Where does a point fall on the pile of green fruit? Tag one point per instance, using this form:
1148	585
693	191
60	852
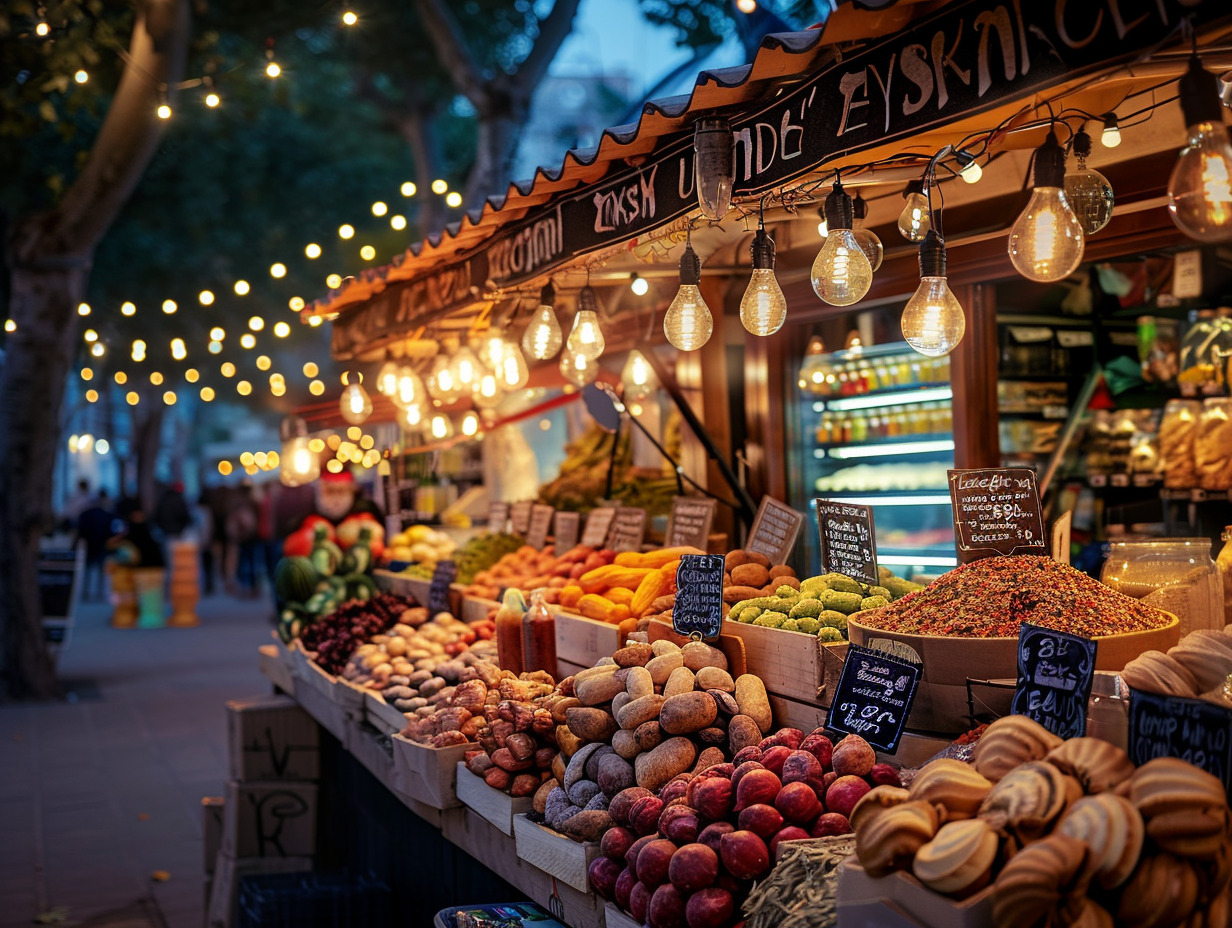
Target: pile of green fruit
310	587
480	553
822	604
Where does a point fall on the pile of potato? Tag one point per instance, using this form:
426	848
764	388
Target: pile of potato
517	734
639	719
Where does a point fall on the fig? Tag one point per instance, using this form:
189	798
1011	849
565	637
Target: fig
789	738
803	767
675	788
713	798
739	773
884	775
644	816
636	848
639	902
624	885
680	823
752	752
623	801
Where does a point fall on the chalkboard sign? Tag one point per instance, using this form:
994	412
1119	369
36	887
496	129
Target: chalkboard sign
996	512
874	696
567	526
699	596
628	529
519	515
598	523
1194	730
540	522
438	591
774	531
848	542
498	517
1055	673
689	522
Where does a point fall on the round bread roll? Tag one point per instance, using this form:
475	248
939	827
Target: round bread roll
1027	800
1044	883
1163	891
957	787
1097	764
890	840
959	860
1010	741
1196	833
1156	672
1113	831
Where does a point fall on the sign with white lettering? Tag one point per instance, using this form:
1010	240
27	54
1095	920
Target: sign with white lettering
774	531
1195	730
540	523
498	517
568	524
967	58
848	540
1055	673
996	512
689	522
699	596
873	697
519	516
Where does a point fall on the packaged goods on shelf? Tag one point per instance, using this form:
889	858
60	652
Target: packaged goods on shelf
1213	445
1177	433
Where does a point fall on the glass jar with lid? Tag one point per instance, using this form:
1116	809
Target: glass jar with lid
1176	575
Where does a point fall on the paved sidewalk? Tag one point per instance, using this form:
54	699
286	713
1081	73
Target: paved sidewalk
98	794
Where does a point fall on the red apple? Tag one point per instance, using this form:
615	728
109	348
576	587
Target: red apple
757	786
844	793
790	833
624	885
709	908
666	909
820	747
831	823
712	834
616	842
653	861
603	874
774	757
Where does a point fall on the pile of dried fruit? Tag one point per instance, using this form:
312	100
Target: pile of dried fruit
990	598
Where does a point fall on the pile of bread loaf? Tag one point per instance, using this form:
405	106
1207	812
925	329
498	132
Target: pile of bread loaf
1068	832
1198	665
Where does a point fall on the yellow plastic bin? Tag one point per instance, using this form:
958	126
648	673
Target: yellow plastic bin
123	595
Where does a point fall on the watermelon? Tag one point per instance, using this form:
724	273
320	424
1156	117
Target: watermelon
295	579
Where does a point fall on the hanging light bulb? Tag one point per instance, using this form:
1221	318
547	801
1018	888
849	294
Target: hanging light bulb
688	323
968	168
1046	241
300	465
513	373
637	378
1200	186
915	220
412	417
868	241
841	272
542	338
408	388
763	308
442	383
465	368
492	349
933	321
487	392
355	403
586	337
1088	191
823	227
440	427
387	379
714	165
578	369
469	425
1111	136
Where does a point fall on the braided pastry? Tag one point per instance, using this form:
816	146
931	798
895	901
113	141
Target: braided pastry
1097	764
1044	883
1010	741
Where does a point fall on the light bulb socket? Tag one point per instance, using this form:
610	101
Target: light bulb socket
1110	121
588	300
547	296
1050	163
859	207
963	158
839	209
1200	95
1082	144
913	186
690	267
932	256
762	250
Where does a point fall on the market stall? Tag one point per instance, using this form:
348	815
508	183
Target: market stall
767	705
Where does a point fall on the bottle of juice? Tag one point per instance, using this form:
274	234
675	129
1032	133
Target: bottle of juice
539	636
509	631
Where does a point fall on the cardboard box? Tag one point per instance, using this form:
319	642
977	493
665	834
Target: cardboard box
553	853
428	775
224	892
212	824
873	901
493	805
271	738
270	819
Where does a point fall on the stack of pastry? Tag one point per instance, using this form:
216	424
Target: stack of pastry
1198	665
1069	833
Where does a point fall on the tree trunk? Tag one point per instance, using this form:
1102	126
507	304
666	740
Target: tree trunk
496	144
147	434
49	258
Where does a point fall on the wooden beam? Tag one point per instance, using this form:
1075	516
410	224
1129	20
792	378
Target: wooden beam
973	376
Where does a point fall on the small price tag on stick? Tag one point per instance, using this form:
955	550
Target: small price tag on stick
848	540
699	596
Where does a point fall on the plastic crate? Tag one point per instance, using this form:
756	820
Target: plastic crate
313	900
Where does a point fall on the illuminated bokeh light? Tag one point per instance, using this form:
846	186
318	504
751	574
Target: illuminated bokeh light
310	369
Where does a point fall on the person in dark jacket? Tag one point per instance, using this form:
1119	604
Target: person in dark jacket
95	527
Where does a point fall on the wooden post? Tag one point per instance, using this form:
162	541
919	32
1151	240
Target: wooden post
973	376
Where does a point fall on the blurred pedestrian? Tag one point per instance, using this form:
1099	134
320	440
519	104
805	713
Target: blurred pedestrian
171	514
241	534
75	505
203	525
95	527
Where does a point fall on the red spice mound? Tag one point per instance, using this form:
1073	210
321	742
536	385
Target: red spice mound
990	598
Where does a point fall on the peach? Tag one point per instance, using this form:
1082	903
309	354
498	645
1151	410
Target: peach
624	885
653	861
831	823
709	908
761	819
757	786
773	758
616	842
803	767
713	798
798	803
666	909
844	793
884	775
680	823
712	834
744	854
693	867
639	902
820	746
853	756
790	833
603	874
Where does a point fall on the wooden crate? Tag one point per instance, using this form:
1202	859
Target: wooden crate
865	900
350	696
495	806
583	641
472	608
428	775
381	715
788	662
317	703
616	918
391	582
373	750
554	853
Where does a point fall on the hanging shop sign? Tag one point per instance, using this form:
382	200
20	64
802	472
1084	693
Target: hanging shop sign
968	58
